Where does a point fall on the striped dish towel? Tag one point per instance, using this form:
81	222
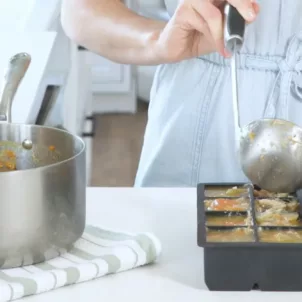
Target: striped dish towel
97	253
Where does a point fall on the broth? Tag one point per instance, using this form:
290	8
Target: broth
234	235
280	236
269	218
228	220
223	204
217	191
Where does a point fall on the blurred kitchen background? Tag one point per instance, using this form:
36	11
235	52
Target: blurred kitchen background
69	87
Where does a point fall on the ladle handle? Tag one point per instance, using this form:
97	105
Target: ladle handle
14	74
234	28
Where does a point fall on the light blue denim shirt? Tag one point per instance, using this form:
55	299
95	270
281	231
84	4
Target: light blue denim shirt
190	132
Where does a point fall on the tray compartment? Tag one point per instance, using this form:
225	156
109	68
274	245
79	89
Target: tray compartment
258	193
288	205
223	204
230	234
277	212
280	235
226	190
231	219
268	218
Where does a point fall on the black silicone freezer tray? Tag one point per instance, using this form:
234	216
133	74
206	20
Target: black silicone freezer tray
253	264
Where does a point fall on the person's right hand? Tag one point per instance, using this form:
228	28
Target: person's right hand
196	28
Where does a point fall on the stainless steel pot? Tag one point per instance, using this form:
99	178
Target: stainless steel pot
42	183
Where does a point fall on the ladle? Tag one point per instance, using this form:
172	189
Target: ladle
269	150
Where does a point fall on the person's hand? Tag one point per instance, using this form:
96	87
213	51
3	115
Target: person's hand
196	28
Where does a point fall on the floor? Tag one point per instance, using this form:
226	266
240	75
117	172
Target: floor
117	147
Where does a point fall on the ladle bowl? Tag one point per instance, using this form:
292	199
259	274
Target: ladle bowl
270	153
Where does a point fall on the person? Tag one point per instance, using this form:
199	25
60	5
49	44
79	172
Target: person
190	134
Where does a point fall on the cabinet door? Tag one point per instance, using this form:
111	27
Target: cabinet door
108	76
105	72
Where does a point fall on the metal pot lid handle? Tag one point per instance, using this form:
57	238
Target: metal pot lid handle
14	74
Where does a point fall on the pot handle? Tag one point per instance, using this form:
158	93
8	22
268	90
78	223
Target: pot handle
14	74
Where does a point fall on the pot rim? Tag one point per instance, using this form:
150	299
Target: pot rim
75	137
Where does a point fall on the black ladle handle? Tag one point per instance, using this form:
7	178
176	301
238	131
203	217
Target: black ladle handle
234	28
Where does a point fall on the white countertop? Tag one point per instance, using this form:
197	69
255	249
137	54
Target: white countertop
178	276
39	45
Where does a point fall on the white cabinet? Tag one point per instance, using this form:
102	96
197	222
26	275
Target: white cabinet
154	9
113	85
28	99
109	77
